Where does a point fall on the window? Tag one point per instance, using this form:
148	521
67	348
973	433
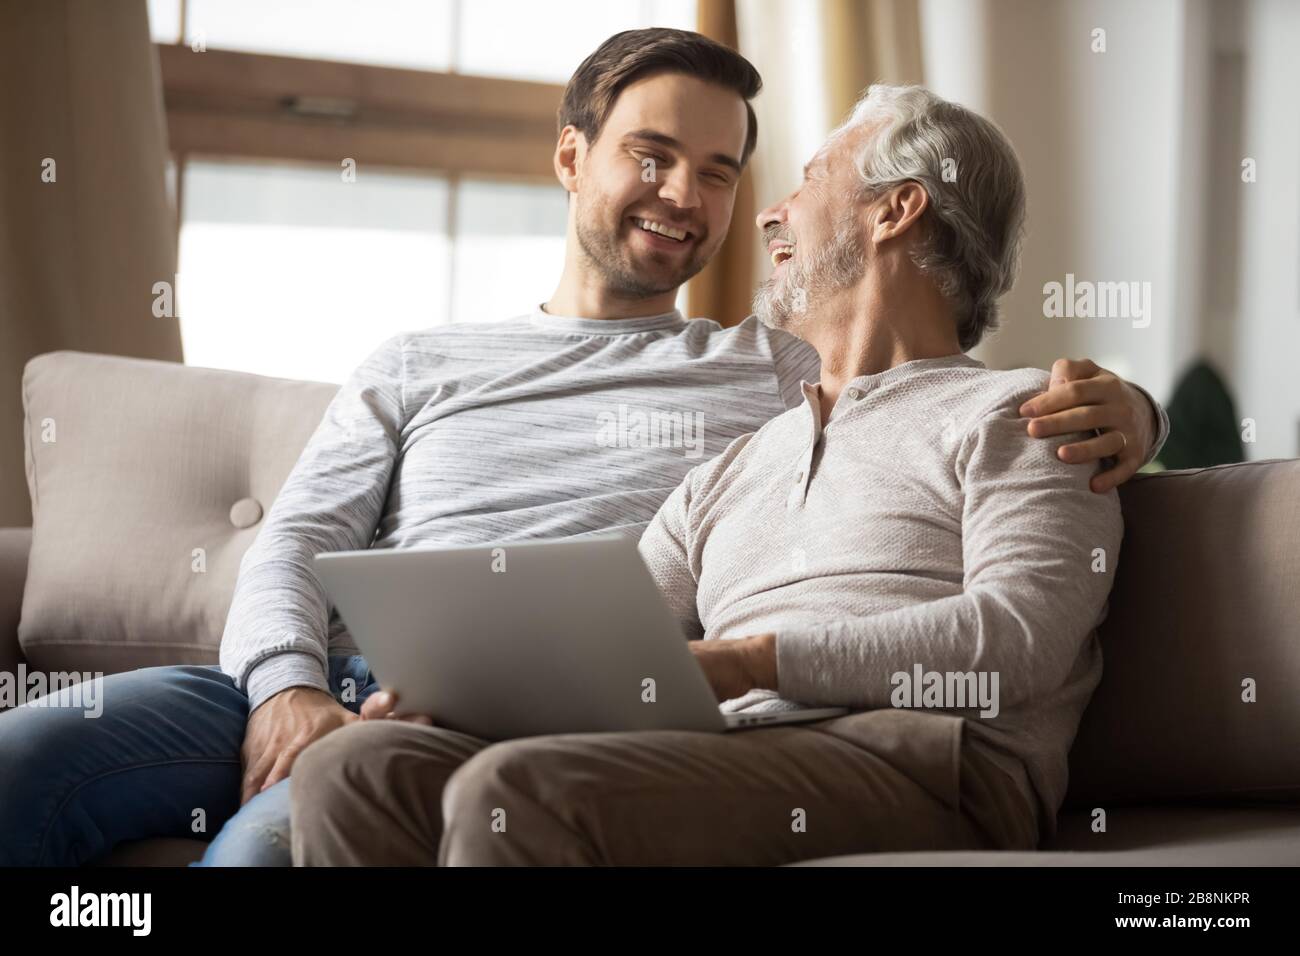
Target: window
291	271
288	268
508	248
545	41
165	21
416	34
543	44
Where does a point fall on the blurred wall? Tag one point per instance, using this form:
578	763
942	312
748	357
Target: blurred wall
1262	319
1097	134
1133	163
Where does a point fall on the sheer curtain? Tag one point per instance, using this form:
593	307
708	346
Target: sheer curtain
815	56
723	289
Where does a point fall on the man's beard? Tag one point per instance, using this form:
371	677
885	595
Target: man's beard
785	302
607	251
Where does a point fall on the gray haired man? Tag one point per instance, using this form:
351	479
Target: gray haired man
894	539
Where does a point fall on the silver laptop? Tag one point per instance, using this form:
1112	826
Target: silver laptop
533	638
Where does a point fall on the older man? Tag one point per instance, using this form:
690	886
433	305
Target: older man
897	543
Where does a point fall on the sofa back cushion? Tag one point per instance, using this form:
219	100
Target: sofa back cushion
148	482
1206	606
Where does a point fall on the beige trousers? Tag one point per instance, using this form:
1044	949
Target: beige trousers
392	793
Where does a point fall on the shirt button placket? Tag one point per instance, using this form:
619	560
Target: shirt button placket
799	489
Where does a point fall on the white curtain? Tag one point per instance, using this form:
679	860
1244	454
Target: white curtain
816	57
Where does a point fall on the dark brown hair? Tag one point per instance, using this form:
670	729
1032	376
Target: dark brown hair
636	54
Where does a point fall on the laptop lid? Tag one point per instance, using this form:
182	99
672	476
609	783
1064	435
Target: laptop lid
515	640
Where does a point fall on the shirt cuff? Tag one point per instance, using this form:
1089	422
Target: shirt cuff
800	662
1162	432
282	671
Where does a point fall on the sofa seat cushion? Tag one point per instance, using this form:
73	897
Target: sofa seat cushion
1136	836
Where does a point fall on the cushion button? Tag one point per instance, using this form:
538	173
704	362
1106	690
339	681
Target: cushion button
245	513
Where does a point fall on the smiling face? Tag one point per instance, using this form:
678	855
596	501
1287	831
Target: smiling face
652	196
814	235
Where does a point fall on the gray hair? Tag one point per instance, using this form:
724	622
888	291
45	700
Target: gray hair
975	219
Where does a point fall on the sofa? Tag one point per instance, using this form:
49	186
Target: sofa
149	480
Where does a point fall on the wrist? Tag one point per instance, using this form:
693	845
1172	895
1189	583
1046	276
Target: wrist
760	661
1151	416
302	694
298	697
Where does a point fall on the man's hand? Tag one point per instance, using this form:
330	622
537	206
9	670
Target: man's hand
1083	397
381	704
280	729
735	667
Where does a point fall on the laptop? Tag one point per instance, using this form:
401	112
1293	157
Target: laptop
546	637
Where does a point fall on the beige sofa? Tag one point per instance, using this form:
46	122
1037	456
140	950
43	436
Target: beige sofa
149	480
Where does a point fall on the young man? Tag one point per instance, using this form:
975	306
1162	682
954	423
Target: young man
899	522
470	434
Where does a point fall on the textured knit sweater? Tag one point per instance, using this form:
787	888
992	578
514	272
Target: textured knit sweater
537	427
920	530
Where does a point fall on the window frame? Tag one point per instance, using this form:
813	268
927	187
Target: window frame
260	106
233	105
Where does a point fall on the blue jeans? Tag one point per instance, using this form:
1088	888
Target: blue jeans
161	760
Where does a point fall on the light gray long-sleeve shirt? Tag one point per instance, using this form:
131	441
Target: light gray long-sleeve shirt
541	426
922	527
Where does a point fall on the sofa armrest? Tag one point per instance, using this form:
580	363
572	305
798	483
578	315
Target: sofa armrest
15	543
